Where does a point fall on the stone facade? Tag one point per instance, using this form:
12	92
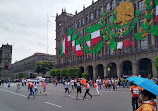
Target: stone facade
28	64
132	60
5	62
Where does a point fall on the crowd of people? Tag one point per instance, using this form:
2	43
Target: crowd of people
76	85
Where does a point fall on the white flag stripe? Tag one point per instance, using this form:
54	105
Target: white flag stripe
63	50
157	10
69	38
88	43
78	47
95	34
73	43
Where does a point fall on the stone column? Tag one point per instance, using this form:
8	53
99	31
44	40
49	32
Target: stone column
154	71
94	73
119	72
105	70
135	68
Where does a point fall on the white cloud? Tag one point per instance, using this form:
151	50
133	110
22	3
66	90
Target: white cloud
23	24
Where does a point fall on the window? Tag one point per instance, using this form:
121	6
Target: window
120	1
59	42
149	39
79	22
108	7
113	4
143	44
141	5
91	16
141	22
96	14
111	51
87	18
6	54
83	22
101	11
75	25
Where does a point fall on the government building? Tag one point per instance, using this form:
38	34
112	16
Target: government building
28	65
125	45
5	62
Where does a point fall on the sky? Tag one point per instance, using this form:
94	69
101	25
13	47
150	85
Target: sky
23	24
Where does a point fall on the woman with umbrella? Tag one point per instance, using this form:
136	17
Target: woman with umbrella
148	94
148	104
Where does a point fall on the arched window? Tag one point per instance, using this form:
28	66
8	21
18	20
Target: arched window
113	4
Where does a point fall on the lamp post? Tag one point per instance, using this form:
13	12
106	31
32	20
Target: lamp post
48	21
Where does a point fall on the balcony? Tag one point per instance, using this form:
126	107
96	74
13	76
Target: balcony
116	53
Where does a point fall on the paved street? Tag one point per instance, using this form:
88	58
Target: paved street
10	100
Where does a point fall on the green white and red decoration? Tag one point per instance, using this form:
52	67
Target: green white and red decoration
73	41
88	40
79	51
95	34
63	48
69	37
123	21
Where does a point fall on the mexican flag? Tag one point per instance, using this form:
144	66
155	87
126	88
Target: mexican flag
95	34
69	37
63	48
88	40
79	52
73	41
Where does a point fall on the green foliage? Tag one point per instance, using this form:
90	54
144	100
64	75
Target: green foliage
22	75
74	72
57	72
156	63
154	30
52	73
85	75
43	67
63	72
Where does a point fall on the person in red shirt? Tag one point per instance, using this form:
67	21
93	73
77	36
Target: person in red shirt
87	90
31	91
135	90
56	82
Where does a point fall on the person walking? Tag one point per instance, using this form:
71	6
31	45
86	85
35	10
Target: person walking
148	104
79	90
96	87
72	85
135	90
87	90
31	91
36	88
17	87
98	81
67	87
56	82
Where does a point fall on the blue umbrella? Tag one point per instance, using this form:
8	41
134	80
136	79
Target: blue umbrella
145	83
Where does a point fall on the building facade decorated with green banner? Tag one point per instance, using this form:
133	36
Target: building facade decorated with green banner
110	38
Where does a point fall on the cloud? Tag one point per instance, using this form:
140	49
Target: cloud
23	24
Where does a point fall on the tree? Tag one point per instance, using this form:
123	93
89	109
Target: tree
43	67
63	72
57	72
74	72
21	75
85	75
52	73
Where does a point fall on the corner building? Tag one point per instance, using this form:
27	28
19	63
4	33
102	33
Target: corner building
136	60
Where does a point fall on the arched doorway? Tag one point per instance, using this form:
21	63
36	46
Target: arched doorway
82	70
127	67
145	67
99	71
90	71
111	70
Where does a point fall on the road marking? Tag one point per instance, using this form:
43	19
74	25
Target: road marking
13	93
53	104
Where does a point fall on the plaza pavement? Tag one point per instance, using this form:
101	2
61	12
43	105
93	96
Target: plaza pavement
56	100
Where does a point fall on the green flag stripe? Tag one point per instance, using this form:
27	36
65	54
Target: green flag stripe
74	36
77	41
70	32
88	37
93	28
61	52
